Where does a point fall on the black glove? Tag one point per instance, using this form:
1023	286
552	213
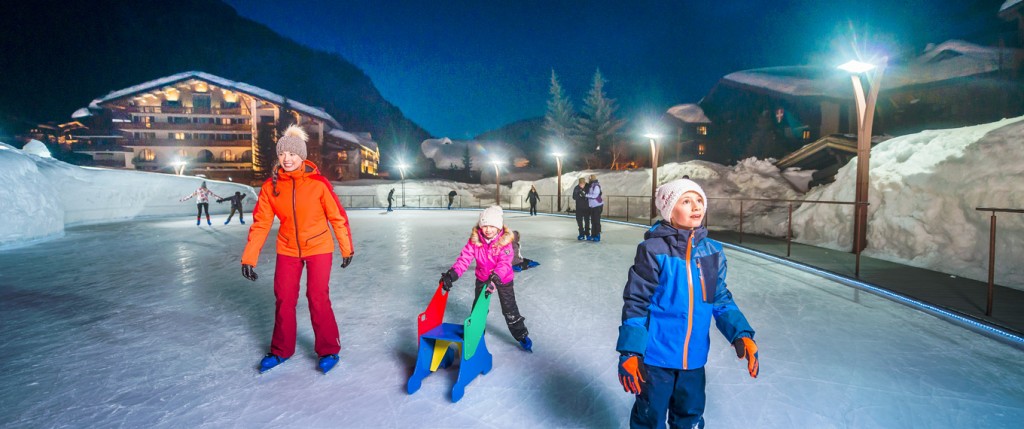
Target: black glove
495	279
249	272
449	277
347	260
220	200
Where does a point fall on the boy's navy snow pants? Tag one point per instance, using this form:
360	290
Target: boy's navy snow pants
286	289
675	393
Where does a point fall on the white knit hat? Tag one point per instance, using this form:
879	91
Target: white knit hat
492	216
669	193
294	141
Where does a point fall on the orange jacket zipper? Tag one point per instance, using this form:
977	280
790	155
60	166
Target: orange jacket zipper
689	309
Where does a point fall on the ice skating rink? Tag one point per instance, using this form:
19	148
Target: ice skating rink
150	324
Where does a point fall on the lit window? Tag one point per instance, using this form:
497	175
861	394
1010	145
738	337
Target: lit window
147	155
700	149
807	134
702	130
228	156
178	136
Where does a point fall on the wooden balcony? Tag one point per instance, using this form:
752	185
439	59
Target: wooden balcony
189	127
186	143
237	111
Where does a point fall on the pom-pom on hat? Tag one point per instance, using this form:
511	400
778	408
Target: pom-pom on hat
294	141
492	216
668	194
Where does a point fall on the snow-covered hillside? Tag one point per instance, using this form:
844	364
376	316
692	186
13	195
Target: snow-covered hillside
42	195
923	193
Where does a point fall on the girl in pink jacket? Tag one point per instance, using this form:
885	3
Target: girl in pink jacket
490	244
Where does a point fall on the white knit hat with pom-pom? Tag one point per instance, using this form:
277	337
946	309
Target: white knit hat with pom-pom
492	216
669	193
294	141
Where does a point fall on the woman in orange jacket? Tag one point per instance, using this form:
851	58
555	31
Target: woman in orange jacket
308	209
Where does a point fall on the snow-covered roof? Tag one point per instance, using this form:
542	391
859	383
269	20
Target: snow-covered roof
948	60
1008	4
223	83
81	113
689	113
353	138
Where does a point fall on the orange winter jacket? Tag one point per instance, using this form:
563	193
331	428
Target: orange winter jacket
308	209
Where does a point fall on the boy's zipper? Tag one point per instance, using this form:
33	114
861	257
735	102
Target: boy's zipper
689	309
700	275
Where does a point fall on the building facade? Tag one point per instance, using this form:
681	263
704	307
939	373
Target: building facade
195	123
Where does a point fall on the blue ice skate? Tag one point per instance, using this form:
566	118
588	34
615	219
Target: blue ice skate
270	361
327	362
527	344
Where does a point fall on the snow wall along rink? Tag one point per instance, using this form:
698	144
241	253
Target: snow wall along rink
150	324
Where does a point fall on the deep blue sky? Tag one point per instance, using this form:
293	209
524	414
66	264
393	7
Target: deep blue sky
459	68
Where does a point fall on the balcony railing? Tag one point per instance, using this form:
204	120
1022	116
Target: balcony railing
186	143
185	110
170	126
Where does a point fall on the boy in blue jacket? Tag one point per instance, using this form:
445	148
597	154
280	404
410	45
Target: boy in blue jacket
676	286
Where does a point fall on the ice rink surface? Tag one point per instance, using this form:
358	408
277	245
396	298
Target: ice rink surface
150	324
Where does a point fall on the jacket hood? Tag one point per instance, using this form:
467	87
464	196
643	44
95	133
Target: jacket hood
663	229
503	238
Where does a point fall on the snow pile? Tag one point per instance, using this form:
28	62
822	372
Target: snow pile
43	195
446	153
923	193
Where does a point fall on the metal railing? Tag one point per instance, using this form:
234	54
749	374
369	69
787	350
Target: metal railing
857	247
992	252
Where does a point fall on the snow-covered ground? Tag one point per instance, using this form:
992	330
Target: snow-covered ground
150	324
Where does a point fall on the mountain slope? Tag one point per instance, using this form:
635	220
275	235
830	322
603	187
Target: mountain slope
58	56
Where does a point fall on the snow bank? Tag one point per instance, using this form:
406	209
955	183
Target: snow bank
44	195
924	189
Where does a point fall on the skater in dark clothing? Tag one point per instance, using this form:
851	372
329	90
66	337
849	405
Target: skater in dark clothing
579	196
595	201
451	198
391	198
202	202
308	212
519	263
490	245
675	288
533	197
236	205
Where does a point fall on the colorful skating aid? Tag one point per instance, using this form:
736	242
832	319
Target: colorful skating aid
440	342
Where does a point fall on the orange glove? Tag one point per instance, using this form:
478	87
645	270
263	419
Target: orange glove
746	348
632	372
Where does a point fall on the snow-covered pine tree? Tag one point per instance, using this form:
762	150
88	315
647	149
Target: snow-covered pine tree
560	119
597	126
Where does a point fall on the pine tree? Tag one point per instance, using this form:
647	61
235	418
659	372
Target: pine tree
467	164
598	125
560	119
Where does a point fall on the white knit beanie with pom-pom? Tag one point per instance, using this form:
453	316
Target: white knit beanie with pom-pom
294	141
492	216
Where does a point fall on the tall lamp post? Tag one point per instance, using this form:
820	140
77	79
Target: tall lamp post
654	168
558	162
865	117
401	169
497	181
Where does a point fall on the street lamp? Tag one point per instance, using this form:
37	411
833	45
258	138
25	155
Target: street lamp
865	117
654	168
558	161
179	167
401	169
497	181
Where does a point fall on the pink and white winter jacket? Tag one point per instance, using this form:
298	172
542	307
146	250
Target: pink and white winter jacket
202	196
493	255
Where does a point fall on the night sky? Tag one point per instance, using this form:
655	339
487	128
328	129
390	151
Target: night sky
459	68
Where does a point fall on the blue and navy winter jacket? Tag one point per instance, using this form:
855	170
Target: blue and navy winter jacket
675	287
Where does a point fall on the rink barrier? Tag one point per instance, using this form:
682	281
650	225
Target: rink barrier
992	252
950	316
